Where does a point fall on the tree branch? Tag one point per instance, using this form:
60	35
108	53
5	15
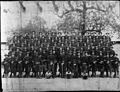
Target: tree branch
92	7
39	7
68	11
70	5
55	6
22	6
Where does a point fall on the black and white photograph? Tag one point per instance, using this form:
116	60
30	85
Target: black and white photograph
60	45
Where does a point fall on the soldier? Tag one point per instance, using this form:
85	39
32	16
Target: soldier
6	65
88	60
69	66
101	66
33	35
62	69
79	63
26	65
69	74
75	69
37	63
13	65
115	64
84	65
19	64
107	65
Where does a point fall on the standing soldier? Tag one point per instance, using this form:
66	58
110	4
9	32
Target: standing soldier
62	69
93	64
115	64
13	65
101	64
6	65
84	65
19	65
26	65
37	63
107	65
79	63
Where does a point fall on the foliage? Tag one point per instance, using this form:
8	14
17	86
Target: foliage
36	24
87	15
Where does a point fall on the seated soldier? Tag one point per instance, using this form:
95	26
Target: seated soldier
68	74
48	74
75	68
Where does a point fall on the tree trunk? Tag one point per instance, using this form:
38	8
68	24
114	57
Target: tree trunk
84	17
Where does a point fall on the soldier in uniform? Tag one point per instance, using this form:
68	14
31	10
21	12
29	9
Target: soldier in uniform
69	66
75	69
37	63
26	65
6	65
107	65
62	69
115	64
101	64
19	65
13	65
93	64
79	63
84	64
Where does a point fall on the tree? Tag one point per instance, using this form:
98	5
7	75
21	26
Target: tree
91	15
36	24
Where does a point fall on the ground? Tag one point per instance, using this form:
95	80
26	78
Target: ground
59	84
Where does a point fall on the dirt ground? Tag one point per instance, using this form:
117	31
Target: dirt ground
58	84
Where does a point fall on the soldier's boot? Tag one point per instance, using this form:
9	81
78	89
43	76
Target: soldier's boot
62	76
43	74
101	73
53	76
11	75
93	73
107	73
114	74
110	73
37	74
117	72
19	75
26	75
80	74
88	73
77	75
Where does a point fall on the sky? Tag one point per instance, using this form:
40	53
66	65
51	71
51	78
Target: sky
11	19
